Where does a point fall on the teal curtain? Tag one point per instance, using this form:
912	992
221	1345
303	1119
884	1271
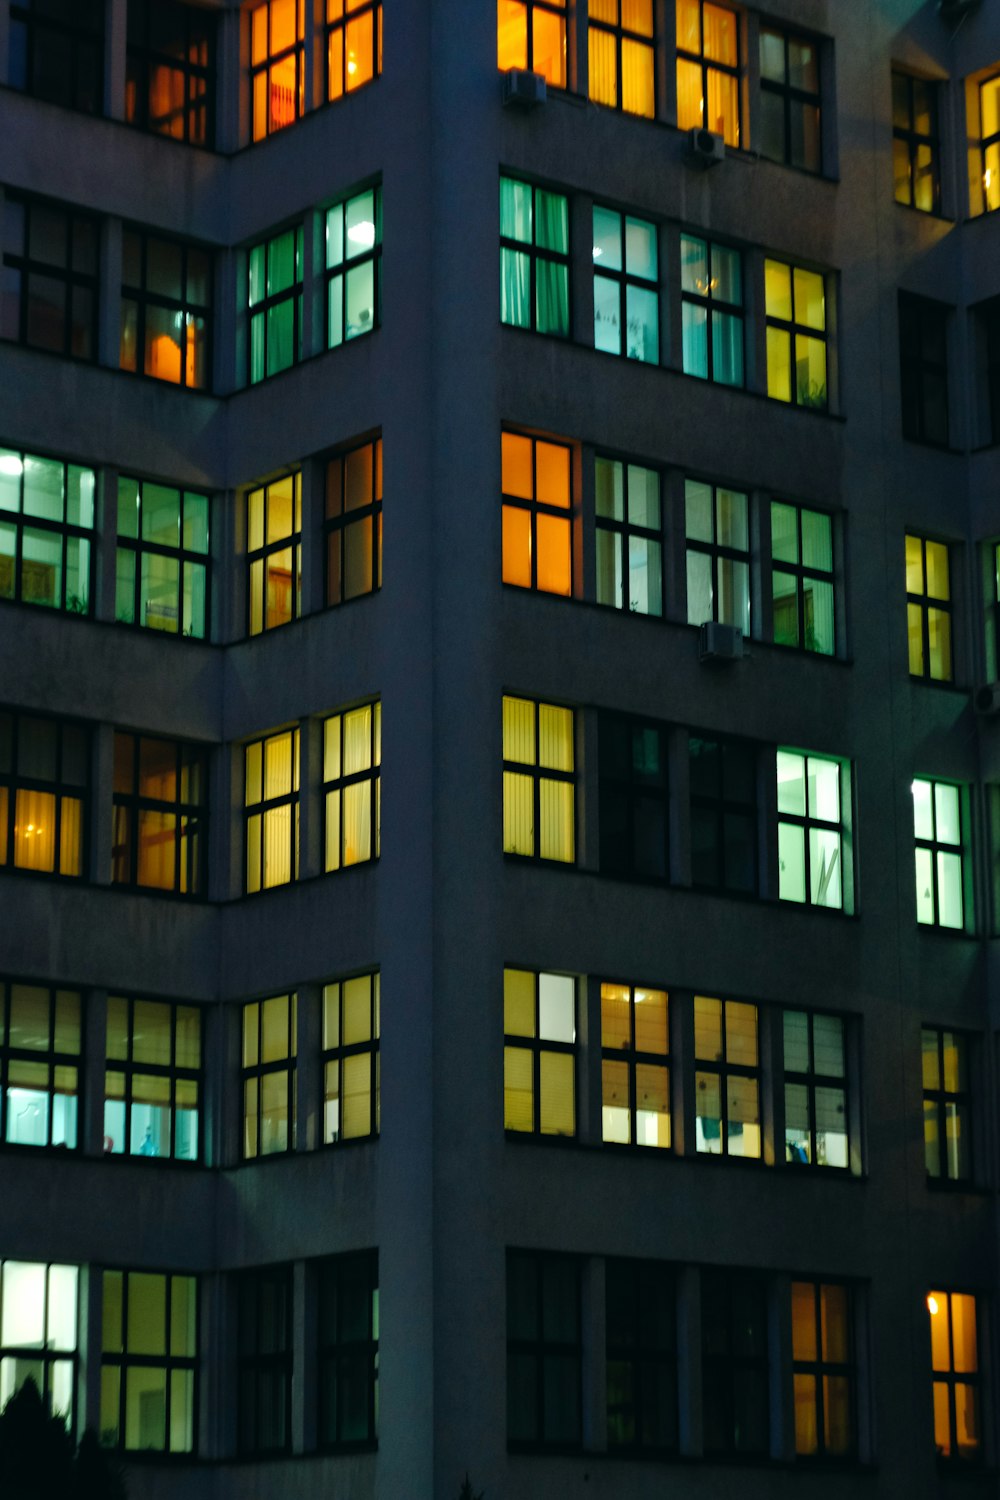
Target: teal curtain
727	348
515	287
552	297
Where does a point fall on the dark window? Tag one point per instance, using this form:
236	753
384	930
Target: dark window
353	526
149	1362
160	815
802	578
44	794
712	311
162	560
947	1105
351	1028
166	317
727	1078
274	553
277	65
353	45
275	283
988	315
152	1083
57	51
923	359
40	1033
265	1360
170	70
790	99
824	1369
635	1073
633	798
916	147
270	1046
734	1362
352	785
544	1354
534	258
48	296
641	1330
815	1062
46	531
39	1333
723	814
348	1350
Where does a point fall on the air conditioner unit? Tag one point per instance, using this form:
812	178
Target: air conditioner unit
523	89
705	148
986	700
718	642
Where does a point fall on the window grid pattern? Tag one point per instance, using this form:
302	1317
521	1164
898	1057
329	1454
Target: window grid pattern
353	524
275	304
539	780
928	608
810	830
539	1053
790	99
633	798
803	612
947	1105
44	794
635	1071
954	1318
353	45
153	1080
351	1071
264	1359
40	1059
272	810
621	43
628	537
815	1089
536	479
641	1344
170	70
149	1364
532	34
57	52
734	1362
937	835
49	288
923	370
268	1076
162	565
708	69
274	554
352	785
354	267
166	312
916	145
712	311
160	815
348	1350
717	529
723	781
534	258
277	81
824	1374
795	317
626	298
989	111
39	1337
727	1078
46	531
544	1350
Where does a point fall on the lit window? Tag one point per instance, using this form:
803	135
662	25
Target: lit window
537	501
717	527
534	258
539	781
277	32
166	312
790	99
712	311
629	537
274	553
49	286
633	798
928	608
937	833
815	1066
544	1350
149	1361
351	1029
620	41
626	300
727	1077
38	1334
811	827
734	1362
152	1083
795	305
57	52
916	147
347	1350
353	525
44	794
947	1105
268	1076
162	561
264	1360
923	369
539	1054
170	70
635	1043
354	267
272	810
957	1385
275	301
802	591
641	1347
353	45
46	531
352	785
160	813
39	1068
708	68
532	34
824	1369
723	780
989	109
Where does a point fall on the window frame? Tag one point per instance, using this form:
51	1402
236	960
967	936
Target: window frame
339	274
927	604
185	308
635	1058
709	65
812	1080
189	560
51	1057
808	821
722	1369
76	36
46	1354
143	61
256	1365
259	557
622	532
721	554
942	849
724	1069
534	252
260	311
653	1363
634	796
951	1378
337	787
73	282
792	330
793	94
716	309
341	25
922	319
912	139
539	775
942	1101
173	1072
822	1369
621	37
262	67
536	1045
13	782
343	1350
541	1350
627	282
191	819
987	145
549	513
806	577
556	10
723	807
22	522
260	808
256	1070
339	523
334	1055
124	1360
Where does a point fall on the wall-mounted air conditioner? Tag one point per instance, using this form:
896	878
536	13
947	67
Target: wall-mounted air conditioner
522	89
718	642
705	148
986	700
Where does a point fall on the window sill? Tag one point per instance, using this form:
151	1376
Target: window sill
939	684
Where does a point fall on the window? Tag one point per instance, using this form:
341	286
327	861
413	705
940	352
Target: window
348	1350
815	1063
947	1105
989	111
46	531
57	52
353	45
354	266
38	1333
539	1055
824	1369
537	503
539	781
277	33
727	1077
275	283
734	1362
937	833
717	527
790	99
723	780
534	258
988	319
149	1361
40	1032
632	796
532	34
351	1029
641	1341
272	810
629	537
353	525
170	70
916	145
269	1051
166	315
544	1350
928	608
264	1402
274	553
160	815
712	311
352	785
810	829
626	299
620	41
162	560
635	1043
44	791
923	368
795	307
708	69
152	1083
48	295
802	594
957	1385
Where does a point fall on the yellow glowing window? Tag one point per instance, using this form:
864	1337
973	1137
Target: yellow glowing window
351	1026
352	758
727	1077
532	34
272	810
539	1023
277	33
160	802
795	307
928	609
824	1369
989	106
149	1361
274	554
270	1045
620	42
947	1105
539	783
635	1077
708	68
44	789
955	1363
353	45
537	540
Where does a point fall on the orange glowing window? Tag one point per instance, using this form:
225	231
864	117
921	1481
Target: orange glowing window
353	45
532	34
708	68
620	41
44	792
537	538
277	32
160	803
170	70
166	309
955	1364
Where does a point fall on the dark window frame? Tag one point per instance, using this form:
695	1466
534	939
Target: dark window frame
633	1058
717	308
143	59
936	846
923	361
951	1378
347	1352
12	781
258	1366
812	1080
624	530
535	252
821	1369
538	774
634	797
804	574
259	809
50	1056
271	59
988	143
793	94
336	786
625	280
341	24
533	507
21	264
710	65
543	1351
191	819
123	1360
723	806
621	33
253	1073
808	820
173	1072
536	1045
941	1101
720	553
29	30
338	275
724	1068
913	140
724	1368
68	531
339	520
333	1056
652	1361
259	314
187	559
926	602
185	308
259	556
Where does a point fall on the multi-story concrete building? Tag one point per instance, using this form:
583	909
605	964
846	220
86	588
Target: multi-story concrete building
607	1106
